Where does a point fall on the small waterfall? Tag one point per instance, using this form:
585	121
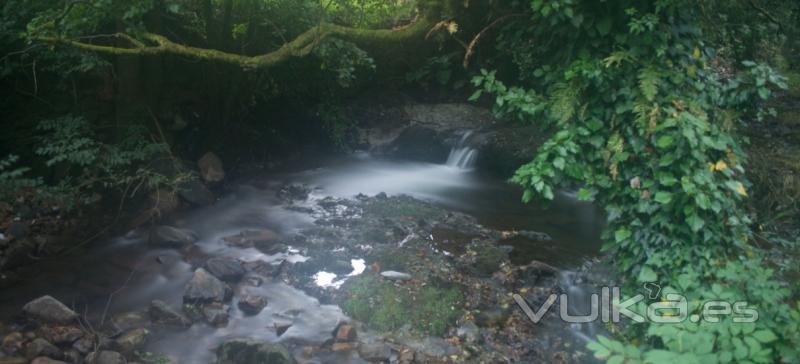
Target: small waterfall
462	156
579	303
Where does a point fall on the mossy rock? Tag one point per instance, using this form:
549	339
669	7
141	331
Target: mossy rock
488	258
400	207
384	306
246	351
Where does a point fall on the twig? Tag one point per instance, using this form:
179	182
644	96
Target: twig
111	296
474	42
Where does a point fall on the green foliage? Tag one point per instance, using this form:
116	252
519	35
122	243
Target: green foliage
646	127
387	307
439	71
88	165
13	179
344	59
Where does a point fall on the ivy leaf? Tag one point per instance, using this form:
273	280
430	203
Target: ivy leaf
621	235
695	223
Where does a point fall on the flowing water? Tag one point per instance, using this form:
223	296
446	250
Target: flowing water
124	274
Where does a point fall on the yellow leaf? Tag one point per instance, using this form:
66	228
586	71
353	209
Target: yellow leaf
711	167
720	166
452	28
740	189
696	53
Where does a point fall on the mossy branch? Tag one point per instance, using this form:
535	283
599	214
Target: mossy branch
301	46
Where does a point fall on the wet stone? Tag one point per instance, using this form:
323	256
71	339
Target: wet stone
205	288
41	347
246	351
162	313
106	357
62	334
345	333
252	305
225	268
375	352
171	237
216	314
12	343
132	340
49	309
251	238
44	360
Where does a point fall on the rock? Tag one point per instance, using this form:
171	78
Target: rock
196	193
105	357
252	305
281	327
163	314
395	276
131	320
17	230
132	340
171	237
246	351
41	347
73	356
340	347
251	238
46	360
225	268
211	168
205	288
84	345
50	310
12	343
13	360
469	332
345	333
294	192
375	352
216	314
61	335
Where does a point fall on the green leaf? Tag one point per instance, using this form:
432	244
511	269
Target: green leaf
621	235
584	194
765	336
695	223
647	275
604	26
665	141
476	95
663	197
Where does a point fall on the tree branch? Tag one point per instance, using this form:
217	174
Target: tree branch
301	46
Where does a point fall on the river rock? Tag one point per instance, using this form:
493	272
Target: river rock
345	333
395	276
12	343
162	313
375	352
205	288
211	168
216	314
41	347
196	193
50	310
61	335
246	351
469	332
105	357
252	238
171	237
84	345
252	305
340	347
132	340
131	320
44	360
225	268
294	192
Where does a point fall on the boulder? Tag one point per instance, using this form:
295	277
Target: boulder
225	268
41	347
196	193
105	357
171	237
252	305
162	313
131	320
211	168
205	288
132	340
246	351
49	310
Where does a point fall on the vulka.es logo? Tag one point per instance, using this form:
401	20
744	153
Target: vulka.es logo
608	306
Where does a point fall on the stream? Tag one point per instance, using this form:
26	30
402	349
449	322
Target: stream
124	274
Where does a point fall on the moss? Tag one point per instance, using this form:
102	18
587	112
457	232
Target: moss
385	307
401	207
488	258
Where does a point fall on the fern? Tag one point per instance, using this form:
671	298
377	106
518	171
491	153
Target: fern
649	79
563	101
